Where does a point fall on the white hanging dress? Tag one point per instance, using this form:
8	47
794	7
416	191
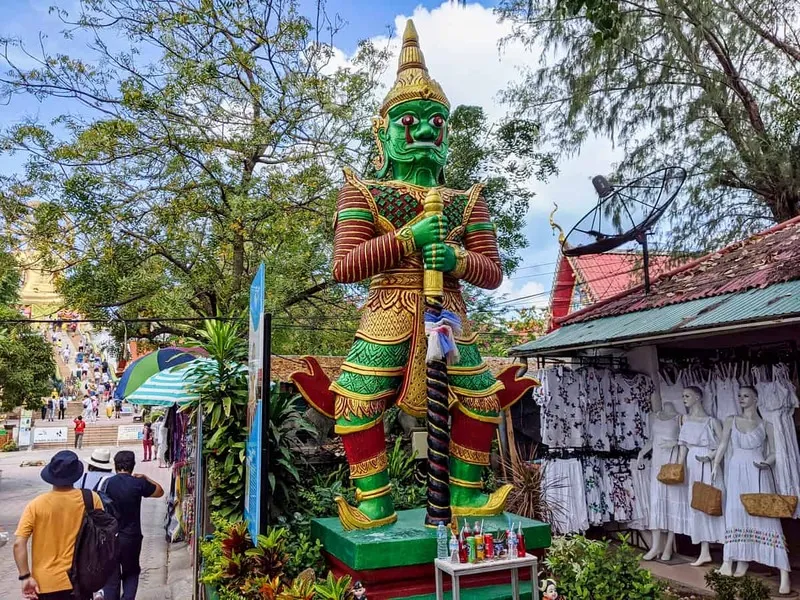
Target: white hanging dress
671	388
777	400
726	388
669	505
748	538
700	440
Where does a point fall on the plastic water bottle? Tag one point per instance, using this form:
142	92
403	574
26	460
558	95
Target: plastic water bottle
512	545
453	548
441	542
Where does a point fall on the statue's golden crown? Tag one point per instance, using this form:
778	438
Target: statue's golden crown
413	81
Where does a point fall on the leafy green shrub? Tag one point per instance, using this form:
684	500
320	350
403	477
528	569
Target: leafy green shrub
9	446
408	496
306	553
222	386
334	589
239	571
402	464
589	569
736	588
285	426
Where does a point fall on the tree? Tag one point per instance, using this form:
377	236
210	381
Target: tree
707	84
180	161
505	158
27	368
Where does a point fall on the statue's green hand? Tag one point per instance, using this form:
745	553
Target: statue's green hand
429	230
439	257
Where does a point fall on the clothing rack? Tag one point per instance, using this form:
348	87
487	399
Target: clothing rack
567	453
617	363
756	354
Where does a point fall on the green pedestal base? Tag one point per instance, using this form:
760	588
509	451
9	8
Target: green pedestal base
492	592
407	542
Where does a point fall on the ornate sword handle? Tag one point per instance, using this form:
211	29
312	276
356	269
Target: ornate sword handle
433	281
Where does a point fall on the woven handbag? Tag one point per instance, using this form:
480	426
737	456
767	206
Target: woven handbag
705	497
671	473
769	505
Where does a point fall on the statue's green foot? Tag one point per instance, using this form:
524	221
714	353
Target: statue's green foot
471	502
375	509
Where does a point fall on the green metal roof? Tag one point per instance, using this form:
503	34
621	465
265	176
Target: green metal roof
751	306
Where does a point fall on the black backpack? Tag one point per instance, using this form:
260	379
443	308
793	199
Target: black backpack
96	546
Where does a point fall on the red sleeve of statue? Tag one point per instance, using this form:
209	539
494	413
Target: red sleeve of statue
483	257
357	253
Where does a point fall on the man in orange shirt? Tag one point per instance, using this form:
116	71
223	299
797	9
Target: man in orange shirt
53	520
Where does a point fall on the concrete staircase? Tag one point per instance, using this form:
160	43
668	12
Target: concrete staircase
102	433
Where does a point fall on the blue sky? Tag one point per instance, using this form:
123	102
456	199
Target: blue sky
460	45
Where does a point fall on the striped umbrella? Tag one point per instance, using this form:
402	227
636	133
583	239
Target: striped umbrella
166	388
148	365
171	386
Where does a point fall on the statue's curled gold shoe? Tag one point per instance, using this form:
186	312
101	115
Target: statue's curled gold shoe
352	518
494	505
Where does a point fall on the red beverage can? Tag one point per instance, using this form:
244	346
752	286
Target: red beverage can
488	542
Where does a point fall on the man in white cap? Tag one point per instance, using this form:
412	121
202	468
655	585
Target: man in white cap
98	469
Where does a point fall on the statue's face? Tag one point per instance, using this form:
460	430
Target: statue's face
417	133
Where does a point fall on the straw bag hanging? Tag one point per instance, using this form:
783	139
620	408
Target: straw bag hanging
705	497
671	473
769	505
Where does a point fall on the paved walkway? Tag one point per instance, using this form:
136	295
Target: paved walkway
166	568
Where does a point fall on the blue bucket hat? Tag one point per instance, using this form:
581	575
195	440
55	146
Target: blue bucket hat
64	470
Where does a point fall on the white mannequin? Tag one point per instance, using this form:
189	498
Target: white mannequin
667	413
692	399
748	422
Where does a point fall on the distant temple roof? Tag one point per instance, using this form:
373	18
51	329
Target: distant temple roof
582	281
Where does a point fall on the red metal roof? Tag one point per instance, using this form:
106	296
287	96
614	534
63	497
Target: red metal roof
769	257
608	274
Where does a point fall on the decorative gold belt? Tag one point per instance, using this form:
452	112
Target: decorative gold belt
408	279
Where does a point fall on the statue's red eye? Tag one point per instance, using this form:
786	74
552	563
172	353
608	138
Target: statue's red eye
408	120
437	121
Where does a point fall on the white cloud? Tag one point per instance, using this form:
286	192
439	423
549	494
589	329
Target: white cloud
535	293
461	48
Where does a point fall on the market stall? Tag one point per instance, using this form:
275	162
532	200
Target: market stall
706	370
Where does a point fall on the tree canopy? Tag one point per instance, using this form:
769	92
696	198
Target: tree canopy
209	140
711	85
27	368
194	140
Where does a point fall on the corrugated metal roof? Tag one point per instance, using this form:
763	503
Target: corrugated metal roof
779	300
765	259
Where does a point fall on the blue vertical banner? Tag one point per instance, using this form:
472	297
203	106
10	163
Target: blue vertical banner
255	411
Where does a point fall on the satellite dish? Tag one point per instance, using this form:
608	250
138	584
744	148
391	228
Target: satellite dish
624	214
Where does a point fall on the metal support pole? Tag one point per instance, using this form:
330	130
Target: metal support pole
199	495
266	492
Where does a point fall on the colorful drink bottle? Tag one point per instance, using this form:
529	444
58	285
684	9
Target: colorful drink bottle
488	543
521	551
